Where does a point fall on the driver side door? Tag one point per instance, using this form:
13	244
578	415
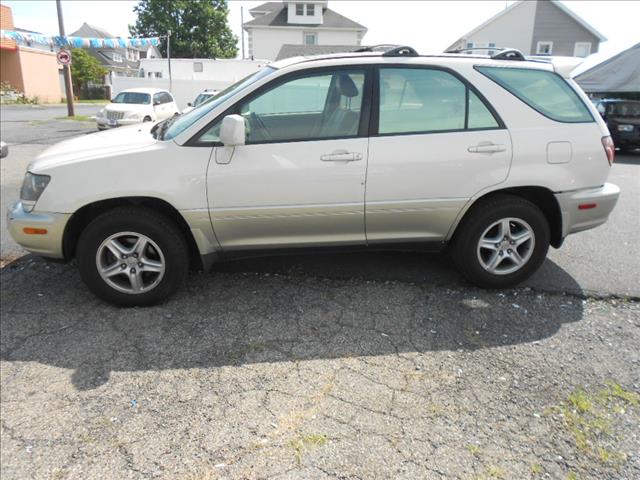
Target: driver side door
300	179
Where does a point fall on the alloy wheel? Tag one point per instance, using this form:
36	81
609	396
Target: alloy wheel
130	262
506	246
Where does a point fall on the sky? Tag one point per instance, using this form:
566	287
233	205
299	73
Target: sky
428	26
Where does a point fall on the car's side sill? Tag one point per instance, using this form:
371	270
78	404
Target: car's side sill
429	246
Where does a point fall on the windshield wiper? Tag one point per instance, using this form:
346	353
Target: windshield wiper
165	126
155	128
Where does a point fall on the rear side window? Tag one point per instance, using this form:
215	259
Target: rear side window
546	92
423	100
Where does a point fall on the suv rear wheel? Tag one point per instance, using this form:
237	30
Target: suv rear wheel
501	242
132	256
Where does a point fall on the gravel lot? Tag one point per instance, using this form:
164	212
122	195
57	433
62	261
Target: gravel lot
336	366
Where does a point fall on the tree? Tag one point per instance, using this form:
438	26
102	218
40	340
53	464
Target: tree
85	68
198	27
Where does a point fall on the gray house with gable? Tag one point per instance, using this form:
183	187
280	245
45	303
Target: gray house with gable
541	27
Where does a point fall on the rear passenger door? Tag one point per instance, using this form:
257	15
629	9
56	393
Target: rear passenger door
435	142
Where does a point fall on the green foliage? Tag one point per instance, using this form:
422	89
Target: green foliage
198	28
591	420
85	68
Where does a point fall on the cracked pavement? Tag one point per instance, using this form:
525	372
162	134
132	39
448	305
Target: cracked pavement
375	365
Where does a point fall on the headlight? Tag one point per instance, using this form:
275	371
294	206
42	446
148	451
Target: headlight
625	128
100	113
32	187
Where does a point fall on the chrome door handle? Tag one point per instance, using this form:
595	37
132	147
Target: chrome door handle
341	156
487	148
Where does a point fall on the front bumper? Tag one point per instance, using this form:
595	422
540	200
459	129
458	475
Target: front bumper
586	208
104	122
47	245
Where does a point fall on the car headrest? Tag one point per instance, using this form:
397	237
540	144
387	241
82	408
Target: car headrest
346	87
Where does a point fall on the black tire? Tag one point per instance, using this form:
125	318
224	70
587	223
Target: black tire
159	229
483	215
146	119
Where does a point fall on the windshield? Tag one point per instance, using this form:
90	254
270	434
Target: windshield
132	97
624	109
184	121
202	98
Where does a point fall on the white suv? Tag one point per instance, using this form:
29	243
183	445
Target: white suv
494	157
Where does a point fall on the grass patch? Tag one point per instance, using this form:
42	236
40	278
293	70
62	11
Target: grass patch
495	472
536	469
591	421
474	450
77	118
308	442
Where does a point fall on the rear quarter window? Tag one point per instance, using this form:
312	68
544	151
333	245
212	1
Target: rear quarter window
546	92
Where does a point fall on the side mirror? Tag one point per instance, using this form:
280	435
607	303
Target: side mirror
156	103
232	131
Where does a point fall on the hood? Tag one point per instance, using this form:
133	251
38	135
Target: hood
95	145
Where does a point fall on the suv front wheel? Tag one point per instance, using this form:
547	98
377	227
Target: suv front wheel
132	256
501	242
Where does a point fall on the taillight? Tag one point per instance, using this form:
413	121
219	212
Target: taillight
609	149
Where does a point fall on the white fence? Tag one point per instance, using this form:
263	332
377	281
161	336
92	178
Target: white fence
190	76
184	91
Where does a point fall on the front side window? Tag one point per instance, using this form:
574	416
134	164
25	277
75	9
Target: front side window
165	98
544	91
184	121
419	100
317	106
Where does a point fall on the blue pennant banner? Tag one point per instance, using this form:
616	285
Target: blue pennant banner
24	38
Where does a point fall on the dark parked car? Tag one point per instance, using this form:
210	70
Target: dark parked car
623	120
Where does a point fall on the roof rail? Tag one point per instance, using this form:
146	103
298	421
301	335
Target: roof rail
390	50
503	53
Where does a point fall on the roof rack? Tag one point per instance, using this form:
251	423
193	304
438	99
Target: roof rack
390	50
401	51
509	54
503	53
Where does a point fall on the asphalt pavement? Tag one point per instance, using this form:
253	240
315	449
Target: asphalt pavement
359	366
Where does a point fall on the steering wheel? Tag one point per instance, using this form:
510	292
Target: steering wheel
257	124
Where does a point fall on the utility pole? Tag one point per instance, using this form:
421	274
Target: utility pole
169	57
241	29
68	87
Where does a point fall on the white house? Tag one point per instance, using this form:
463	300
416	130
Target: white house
303	23
542	27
